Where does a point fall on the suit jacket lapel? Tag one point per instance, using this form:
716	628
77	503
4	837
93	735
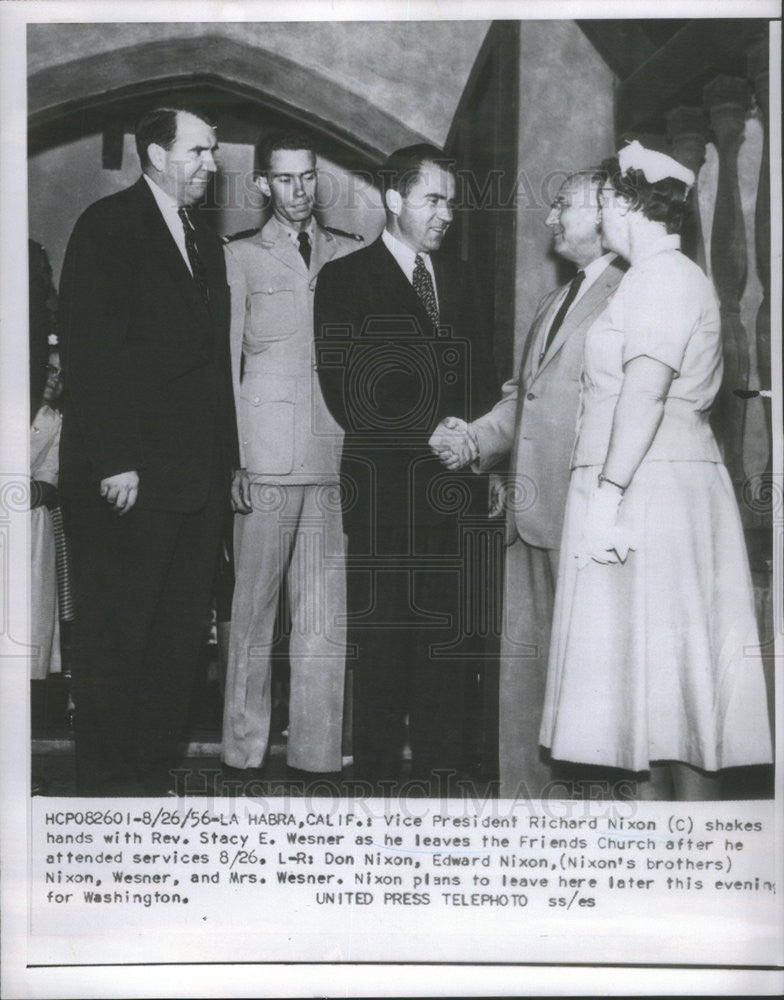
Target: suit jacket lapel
592	302
159	242
444	290
390	275
530	360
211	252
324	249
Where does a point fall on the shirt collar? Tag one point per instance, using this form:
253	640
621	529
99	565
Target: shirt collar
595	268
404	255
293	234
667	241
165	201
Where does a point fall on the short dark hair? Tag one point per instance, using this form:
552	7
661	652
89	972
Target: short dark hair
268	144
159	125
401	169
667	201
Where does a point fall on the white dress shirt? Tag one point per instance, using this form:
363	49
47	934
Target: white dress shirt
169	209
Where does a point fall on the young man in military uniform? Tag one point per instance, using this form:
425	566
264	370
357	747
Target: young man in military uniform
288	529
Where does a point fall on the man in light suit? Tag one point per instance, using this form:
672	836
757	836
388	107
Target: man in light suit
533	427
288	530
148	444
400	346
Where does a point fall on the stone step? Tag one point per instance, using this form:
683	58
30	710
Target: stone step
64	745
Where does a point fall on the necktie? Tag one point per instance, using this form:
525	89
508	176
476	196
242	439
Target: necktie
423	285
197	265
574	287
304	247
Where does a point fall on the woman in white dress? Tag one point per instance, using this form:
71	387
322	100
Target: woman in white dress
44	467
654	661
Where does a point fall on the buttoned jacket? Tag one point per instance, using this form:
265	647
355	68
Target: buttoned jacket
146	360
286	433
534	422
389	378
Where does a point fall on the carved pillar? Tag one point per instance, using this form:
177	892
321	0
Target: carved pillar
687	133
757	57
727	99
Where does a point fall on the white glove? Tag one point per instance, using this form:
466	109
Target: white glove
603	540
497	498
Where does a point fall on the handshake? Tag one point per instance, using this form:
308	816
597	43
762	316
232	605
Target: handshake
454	444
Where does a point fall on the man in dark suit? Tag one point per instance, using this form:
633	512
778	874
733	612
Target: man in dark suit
398	348
533	427
148	444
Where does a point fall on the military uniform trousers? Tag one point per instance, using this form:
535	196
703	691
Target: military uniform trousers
293	534
529	590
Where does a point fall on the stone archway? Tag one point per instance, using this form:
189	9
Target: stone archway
84	94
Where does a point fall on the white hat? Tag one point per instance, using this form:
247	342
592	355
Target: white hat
655	166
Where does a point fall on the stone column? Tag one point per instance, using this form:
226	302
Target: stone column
727	99
757	57
687	132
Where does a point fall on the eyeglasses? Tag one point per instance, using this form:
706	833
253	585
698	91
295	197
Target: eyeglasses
53	371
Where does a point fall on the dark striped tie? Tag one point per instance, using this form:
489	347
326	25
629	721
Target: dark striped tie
423	285
197	265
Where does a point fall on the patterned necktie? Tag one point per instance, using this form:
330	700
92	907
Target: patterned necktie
304	247
560	316
423	285
197	265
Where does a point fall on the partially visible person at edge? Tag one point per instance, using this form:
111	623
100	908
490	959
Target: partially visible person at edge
47	538
652	665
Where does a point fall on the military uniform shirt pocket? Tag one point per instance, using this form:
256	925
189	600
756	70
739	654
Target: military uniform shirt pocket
273	310
266	414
